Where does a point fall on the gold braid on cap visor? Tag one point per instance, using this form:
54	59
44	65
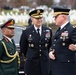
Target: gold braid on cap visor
37	15
12	26
56	13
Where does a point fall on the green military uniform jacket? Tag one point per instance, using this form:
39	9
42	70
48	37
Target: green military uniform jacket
9	66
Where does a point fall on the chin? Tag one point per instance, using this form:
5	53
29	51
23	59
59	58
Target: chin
11	36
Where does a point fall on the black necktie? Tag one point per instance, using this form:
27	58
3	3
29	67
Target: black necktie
13	42
38	32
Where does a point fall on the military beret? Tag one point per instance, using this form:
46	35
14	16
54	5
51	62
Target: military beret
36	13
9	24
58	11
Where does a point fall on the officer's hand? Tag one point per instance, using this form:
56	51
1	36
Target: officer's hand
52	55
72	47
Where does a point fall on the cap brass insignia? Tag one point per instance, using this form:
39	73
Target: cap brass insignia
12	22
38	11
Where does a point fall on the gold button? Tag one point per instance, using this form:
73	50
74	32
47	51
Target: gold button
53	44
40	41
54	39
10	53
63	44
68	60
40	50
39	54
39	45
29	45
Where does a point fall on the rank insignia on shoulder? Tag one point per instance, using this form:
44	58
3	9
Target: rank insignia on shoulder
24	29
74	26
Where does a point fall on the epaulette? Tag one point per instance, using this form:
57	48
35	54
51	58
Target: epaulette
50	28
74	26
24	28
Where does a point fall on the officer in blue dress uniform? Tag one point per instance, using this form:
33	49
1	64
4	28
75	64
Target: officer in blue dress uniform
34	45
63	59
8	54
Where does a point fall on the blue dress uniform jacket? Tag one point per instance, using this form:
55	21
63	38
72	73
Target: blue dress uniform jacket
65	63
36	50
8	68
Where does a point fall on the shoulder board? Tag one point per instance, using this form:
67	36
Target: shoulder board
74	26
50	28
24	28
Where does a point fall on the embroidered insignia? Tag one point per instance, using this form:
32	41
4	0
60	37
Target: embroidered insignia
30	37
38	12
47	35
6	39
12	22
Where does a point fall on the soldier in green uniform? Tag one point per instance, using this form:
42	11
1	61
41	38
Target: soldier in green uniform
8	54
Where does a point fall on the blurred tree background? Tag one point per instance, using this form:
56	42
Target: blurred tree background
34	3
19	14
30	3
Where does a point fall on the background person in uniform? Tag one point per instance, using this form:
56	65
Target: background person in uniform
35	45
29	22
8	54
63	59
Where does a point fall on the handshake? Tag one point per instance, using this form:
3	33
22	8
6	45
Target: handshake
72	47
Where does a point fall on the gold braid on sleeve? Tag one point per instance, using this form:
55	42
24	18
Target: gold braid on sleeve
10	56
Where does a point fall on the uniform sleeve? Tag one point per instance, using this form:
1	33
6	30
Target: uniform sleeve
73	36
23	44
1	50
50	41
